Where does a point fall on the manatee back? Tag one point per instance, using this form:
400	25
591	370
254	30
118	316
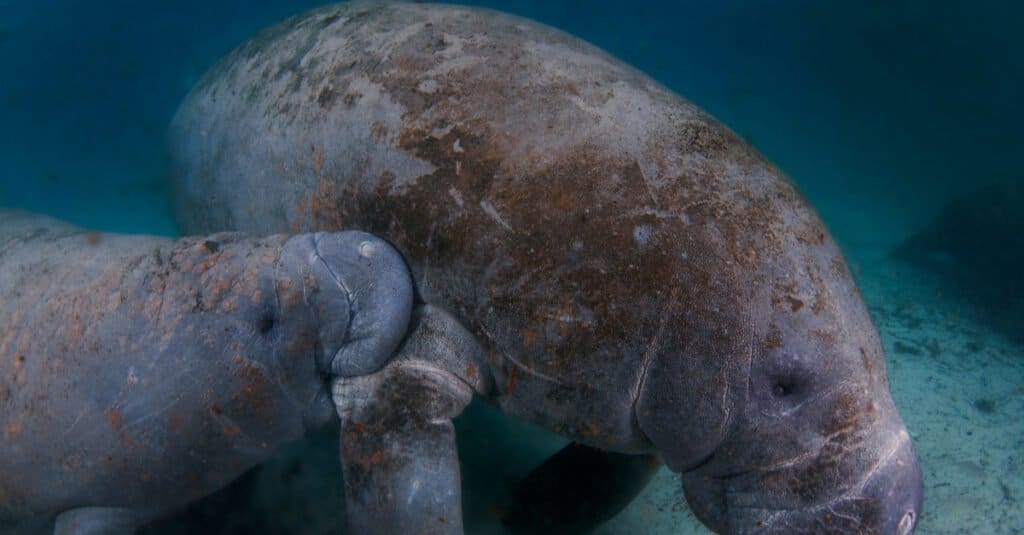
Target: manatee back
577	215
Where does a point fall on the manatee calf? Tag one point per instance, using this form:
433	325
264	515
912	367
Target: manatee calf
140	373
642	281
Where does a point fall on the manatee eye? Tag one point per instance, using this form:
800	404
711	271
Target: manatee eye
784	387
265	323
783	382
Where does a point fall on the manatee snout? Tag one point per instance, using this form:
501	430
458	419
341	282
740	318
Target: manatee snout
361	294
896	485
879	490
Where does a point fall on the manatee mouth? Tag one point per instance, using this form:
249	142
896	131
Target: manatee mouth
885	499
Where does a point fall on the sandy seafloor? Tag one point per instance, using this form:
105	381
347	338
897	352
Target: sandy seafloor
880	111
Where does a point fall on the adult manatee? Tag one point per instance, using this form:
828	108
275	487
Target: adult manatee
643	281
139	373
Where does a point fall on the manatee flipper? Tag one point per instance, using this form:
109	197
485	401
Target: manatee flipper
99	521
398	452
577	489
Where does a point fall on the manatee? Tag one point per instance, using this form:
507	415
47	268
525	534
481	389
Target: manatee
139	373
639	278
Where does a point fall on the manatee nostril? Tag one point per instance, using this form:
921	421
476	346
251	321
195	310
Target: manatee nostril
907	522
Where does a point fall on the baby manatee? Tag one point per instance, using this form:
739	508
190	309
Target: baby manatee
140	373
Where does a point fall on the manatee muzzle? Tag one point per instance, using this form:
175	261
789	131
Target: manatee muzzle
360	292
885	499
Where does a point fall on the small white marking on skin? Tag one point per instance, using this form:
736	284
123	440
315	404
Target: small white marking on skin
439	133
457	146
427	86
415	490
642	234
637	388
456	195
648	185
493	212
663	214
74	423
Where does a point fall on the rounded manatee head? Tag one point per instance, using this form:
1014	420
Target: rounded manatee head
305	308
811	451
361	295
342	302
800	433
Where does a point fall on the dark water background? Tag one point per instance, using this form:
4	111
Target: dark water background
882	111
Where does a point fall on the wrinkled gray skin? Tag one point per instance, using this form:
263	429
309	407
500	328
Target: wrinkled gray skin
642	280
138	373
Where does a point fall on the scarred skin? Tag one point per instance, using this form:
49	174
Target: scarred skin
140	373
642	280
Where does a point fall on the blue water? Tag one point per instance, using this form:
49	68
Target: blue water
881	111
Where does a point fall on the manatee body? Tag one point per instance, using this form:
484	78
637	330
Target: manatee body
139	373
643	281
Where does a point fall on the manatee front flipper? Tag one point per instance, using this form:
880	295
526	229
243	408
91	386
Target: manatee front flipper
578	489
398	452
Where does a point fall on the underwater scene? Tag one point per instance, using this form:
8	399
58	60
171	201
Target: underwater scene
495	267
